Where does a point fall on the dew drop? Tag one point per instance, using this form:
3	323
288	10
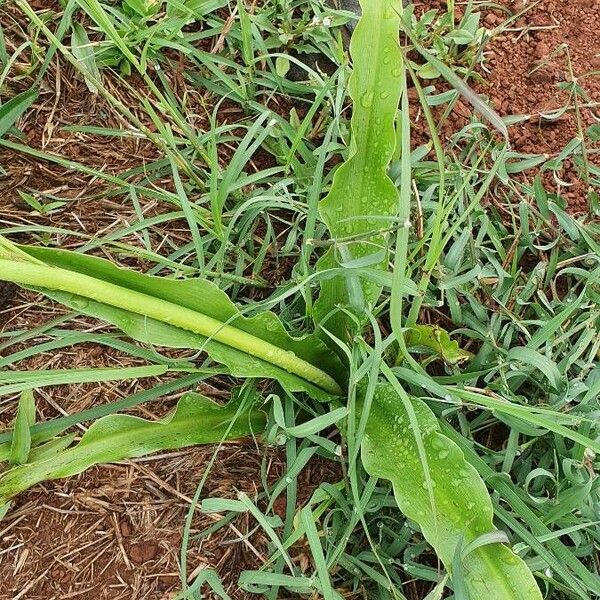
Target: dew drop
367	99
79	302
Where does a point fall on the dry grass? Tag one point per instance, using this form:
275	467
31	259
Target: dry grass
115	532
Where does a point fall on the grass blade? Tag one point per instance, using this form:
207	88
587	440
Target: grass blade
11	111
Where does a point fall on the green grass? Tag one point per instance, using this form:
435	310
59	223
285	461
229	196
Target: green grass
514	281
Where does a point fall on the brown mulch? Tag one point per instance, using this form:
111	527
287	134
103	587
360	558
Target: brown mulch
115	531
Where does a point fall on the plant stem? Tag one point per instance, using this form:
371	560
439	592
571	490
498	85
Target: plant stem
54	278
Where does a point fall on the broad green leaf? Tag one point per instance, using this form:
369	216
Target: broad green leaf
362	190
21	442
196	420
437	341
190	313
11	110
462	510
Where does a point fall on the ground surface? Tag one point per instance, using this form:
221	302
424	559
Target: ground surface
115	531
555	42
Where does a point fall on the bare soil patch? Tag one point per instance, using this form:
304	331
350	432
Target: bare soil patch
551	45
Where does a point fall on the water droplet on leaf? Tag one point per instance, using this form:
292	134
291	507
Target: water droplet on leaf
367	99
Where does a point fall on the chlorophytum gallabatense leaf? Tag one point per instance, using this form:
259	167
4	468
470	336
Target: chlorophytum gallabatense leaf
362	196
196	420
191	313
462	509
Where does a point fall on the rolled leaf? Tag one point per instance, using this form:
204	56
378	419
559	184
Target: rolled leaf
462	509
190	313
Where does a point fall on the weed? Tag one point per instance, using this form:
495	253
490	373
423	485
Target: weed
406	241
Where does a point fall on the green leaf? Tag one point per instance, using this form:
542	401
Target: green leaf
190	313
11	111
461	37
84	52
21	442
462	510
593	132
427	71
196	420
362	191
312	535
437	340
528	356
282	66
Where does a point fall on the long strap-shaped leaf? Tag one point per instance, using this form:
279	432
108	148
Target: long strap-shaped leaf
189	314
196	420
462	509
362	190
433	483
